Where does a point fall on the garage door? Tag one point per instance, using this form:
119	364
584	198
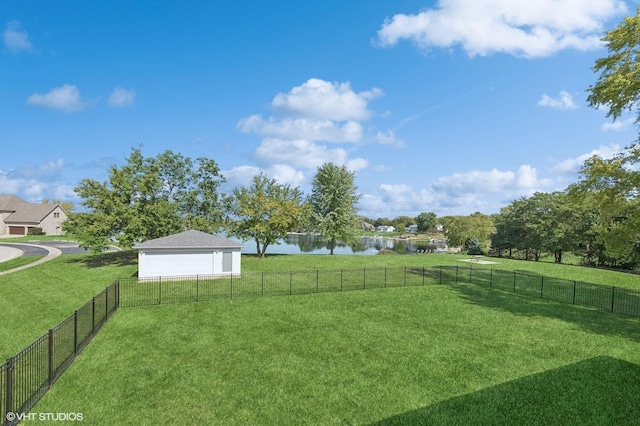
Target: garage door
177	264
16	230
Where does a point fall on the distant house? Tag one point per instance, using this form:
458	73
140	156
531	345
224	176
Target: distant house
367	226
188	253
385	228
412	229
19	217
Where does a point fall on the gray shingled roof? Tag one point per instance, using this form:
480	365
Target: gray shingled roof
190	239
32	213
11	203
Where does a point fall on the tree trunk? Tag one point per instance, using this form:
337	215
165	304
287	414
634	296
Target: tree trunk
264	249
332	245
558	256
258	251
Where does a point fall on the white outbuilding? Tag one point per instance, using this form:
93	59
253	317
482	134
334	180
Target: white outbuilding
188	253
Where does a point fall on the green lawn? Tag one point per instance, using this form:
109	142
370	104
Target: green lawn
18	261
38	298
438	355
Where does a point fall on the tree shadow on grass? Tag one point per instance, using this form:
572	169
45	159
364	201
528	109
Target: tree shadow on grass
116	258
596	391
590	320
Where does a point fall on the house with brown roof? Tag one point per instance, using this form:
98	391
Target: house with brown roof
19	217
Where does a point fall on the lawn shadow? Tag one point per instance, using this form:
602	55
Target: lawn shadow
588	319
596	391
115	258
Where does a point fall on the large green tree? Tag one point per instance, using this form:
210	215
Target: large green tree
618	85
266	211
459	230
333	204
425	221
147	198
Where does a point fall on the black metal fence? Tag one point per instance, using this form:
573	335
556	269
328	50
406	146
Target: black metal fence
26	377
259	284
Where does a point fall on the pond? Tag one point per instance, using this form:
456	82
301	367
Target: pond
314	244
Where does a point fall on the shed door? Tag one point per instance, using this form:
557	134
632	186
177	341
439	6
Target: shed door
227	261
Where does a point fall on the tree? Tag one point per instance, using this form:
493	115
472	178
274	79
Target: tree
425	221
461	229
147	198
333	204
266	211
618	86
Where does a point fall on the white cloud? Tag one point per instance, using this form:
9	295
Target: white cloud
302	153
573	165
524	181
34	182
302	128
15	38
459	193
482	27
618	125
323	100
243	175
65	98
564	102
389	138
120	97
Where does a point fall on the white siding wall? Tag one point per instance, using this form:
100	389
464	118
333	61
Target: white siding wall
172	263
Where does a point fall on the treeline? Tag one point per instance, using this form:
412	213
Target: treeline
153	197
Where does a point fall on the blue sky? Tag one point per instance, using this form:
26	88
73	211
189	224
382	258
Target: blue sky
450	106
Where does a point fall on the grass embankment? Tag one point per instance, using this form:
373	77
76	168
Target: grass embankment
18	261
416	355
36	299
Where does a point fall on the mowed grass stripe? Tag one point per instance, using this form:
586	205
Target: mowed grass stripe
384	355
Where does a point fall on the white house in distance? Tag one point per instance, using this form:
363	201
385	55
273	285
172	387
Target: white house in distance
188	253
19	217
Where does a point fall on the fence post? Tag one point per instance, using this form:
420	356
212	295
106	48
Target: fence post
423	275
613	294
262	283
231	287
541	286
364	278
75	332
290	283
93	314
574	292
470	268
117	294
341	279
106	303
159	290
514	281
440	274
50	357
457	270
385	277
317	278
9	382
197	287
491	278
405	277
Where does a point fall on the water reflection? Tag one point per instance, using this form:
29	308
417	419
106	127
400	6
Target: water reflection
314	244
